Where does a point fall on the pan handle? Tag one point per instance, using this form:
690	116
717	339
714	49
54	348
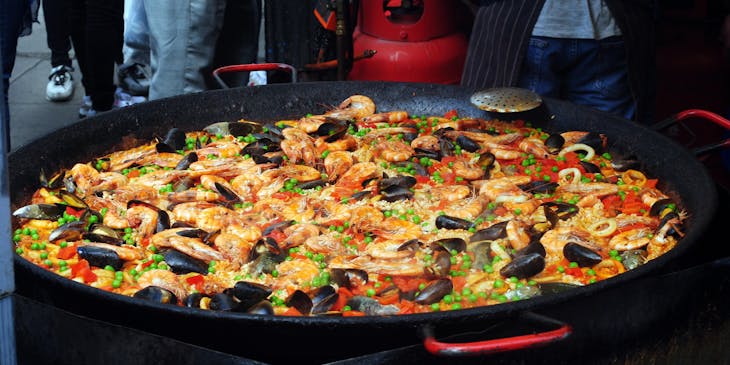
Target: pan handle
453	349
253	67
702	114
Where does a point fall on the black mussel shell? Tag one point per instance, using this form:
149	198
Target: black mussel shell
41	211
73	200
370	306
349	278
312	184
70	231
156	294
183	184
533	247
449	222
441	264
193	300
249	293
278	226
583	256
323	299
446	146
192	233
410	245
623	163
555	288
175	138
660	206
539	187
482	253
524	266
451	244
590	167
263	307
486	160
228	195
361	194
395	193
238	129
554	143
181	263
164	148
420	153
223	302
555	211
97	237
100	257
55	182
434	291
596	140
491	233
186	161
467	144
300	301
332	130
400	180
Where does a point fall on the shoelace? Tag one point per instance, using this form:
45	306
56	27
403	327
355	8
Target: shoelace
59	78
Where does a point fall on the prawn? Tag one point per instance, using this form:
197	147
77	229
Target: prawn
355	107
165	280
336	164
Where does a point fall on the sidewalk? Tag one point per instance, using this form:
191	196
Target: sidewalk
31	115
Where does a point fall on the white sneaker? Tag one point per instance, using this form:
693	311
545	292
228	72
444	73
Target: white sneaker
122	99
85	110
60	85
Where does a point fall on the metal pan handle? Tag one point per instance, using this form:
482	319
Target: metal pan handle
253	67
702	114
453	349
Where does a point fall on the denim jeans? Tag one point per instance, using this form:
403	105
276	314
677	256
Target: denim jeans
136	34
583	71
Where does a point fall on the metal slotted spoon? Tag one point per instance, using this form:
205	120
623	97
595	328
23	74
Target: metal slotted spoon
511	103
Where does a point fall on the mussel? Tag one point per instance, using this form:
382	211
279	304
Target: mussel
300	301
371	307
583	256
323	299
539	187
332	131
181	263
238	129
223	302
194	300
156	294
467	143
434	291
524	266
263	307
186	161
100	257
349	278
41	211
70	231
451	244
449	222
491	233
249	293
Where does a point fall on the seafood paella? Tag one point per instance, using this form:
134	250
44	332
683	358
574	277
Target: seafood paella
351	212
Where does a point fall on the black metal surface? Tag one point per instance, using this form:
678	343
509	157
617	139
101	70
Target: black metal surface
344	337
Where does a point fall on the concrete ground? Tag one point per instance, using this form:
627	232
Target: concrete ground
31	115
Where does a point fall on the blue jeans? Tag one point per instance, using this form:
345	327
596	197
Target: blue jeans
583	71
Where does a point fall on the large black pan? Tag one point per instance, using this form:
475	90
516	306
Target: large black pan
319	339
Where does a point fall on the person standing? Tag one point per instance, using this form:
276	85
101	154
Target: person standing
598	53
60	85
132	74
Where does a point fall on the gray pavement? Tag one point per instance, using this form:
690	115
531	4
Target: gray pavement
31	115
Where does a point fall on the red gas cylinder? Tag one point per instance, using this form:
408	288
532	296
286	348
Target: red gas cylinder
415	41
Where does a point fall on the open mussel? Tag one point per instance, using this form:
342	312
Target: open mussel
224	302
237	129
440	264
100	257
163	219
71	231
554	143
54	182
263	308
396	192
491	233
524	266
451	244
539	187
434	291
371	307
632	259
186	161
403	181
249	293
349	278
661	207
555	211
583	256
103	234
590	167
300	301
194	300
467	143
41	211
156	294
323	299
332	130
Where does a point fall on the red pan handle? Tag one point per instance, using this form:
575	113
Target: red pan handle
439	348
254	67
702	114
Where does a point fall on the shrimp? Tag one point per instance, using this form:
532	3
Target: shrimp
468	169
192	247
393	150
393	228
163	159
215	218
332	212
165	280
594	188
387	250
354	107
358	173
160	178
409	266
114	210
295	273
189	212
234	248
651	196
486	138
387	117
194	195
225	167
505	189
326	243
144	218
346	143
336	164
426	142
517	235
301	173
631	239
467	209
365	218
298	146
84	177
450	193
296	209
555	239
122	159
311	124
534	146
297	234
246	185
